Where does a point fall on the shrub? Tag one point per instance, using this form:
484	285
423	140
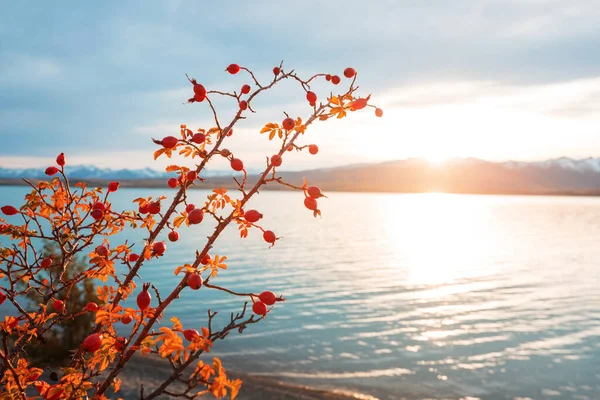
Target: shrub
76	219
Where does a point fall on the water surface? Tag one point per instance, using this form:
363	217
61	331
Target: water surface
408	296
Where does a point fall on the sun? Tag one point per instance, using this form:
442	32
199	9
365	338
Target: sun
436	158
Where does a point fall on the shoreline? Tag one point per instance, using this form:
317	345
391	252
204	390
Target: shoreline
327	187
151	371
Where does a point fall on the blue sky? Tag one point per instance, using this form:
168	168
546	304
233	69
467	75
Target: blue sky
491	79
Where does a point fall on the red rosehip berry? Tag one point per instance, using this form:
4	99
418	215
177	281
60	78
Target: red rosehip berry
276	71
259	308
9	210
51	171
2	297
154	208
189	208
173	236
349	72
225	152
311	97
290	148
378	112
196	216
335	79
312	104
198	138
194	281
191	334
120	343
144	209
243	105
91	307
268	298
173	183
101	250
199	90
205	259
133	257
97	214
328	77
246	89
310	203
60	159
99	206
288	124
59	305
199	98
92	343
237	164
169	142
313	149
276	160
46	262
314	192
269	237
126	319
144	298
229	132
191	176
252	216
233	69
159	248
113	186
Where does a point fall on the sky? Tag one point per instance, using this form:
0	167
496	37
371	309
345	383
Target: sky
492	79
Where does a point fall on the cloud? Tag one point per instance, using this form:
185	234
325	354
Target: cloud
27	70
87	76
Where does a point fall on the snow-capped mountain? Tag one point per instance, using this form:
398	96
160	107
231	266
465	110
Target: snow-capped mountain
584	165
470	175
91	172
85	172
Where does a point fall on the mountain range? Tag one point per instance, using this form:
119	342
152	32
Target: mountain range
470	175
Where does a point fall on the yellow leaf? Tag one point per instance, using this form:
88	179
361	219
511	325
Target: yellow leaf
176	323
117	384
178	221
186	151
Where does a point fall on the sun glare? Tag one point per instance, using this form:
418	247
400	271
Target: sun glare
436	158
447	240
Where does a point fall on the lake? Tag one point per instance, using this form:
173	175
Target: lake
407	296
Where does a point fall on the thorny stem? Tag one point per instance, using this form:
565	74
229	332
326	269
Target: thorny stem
69	246
220	227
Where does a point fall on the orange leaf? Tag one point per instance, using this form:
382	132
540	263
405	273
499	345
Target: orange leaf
172	168
158	153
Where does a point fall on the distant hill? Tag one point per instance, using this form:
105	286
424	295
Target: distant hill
89	172
463	176
556	176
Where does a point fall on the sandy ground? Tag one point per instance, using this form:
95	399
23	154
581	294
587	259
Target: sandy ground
151	371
